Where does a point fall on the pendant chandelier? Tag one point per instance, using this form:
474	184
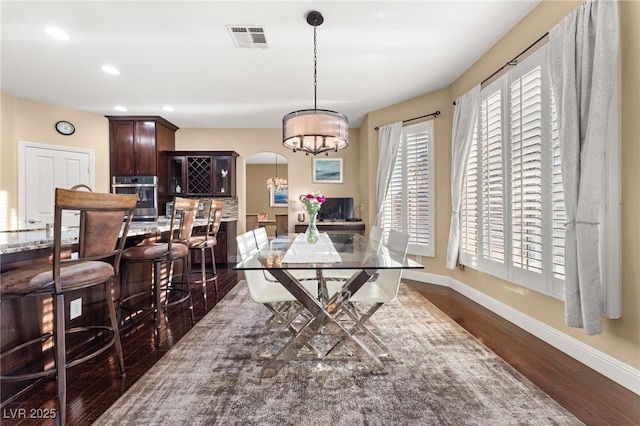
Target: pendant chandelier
315	131
277	182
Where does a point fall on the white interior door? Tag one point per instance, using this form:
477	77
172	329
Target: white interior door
44	168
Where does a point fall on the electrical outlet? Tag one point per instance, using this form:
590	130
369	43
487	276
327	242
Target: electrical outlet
76	308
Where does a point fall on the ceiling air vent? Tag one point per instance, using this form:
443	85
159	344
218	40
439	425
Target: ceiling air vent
246	37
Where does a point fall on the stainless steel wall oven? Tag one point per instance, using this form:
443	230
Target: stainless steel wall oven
146	188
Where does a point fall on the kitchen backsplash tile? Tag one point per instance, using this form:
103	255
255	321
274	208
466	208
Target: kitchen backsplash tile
230	210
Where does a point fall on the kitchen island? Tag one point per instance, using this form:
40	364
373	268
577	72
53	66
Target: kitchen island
24	318
25	244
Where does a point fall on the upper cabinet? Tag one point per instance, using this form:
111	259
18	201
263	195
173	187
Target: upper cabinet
201	173
137	145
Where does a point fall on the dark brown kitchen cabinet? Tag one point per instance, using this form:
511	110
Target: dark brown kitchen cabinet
137	145
201	173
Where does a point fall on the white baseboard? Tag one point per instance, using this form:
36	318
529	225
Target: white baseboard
619	372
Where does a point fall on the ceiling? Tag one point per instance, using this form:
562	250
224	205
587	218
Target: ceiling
371	54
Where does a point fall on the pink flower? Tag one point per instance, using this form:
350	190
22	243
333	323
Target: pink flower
310	196
321	198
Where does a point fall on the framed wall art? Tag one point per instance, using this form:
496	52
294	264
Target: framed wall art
327	170
279	197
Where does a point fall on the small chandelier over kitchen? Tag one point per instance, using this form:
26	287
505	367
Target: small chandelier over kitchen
276	182
315	131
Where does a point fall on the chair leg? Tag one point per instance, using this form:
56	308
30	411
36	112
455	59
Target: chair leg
124	276
186	271
157	301
203	275
61	357
114	327
168	292
215	271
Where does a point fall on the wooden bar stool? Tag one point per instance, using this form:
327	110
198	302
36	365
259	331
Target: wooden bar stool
208	241
159	254
99	251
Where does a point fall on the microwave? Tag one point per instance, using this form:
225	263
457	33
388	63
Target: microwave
146	188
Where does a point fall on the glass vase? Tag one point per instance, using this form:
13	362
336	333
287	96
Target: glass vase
312	234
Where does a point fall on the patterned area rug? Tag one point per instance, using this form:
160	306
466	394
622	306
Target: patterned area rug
441	375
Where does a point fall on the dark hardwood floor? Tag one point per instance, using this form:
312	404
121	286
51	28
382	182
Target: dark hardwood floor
590	396
95	385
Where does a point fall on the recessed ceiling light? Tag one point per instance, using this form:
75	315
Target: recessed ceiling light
56	33
120	108
167	108
110	69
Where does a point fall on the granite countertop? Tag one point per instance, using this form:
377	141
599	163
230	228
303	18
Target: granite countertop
19	241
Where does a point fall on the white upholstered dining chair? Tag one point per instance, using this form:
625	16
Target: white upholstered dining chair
261	237
270	293
382	288
375	240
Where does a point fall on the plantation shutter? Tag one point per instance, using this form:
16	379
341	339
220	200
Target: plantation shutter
418	187
408	206
512	213
469	207
491	174
393	214
526	171
558	215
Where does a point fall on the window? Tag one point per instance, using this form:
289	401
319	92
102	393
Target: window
409	205
512	212
513	208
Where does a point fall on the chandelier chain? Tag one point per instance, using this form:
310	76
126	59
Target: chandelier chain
315	69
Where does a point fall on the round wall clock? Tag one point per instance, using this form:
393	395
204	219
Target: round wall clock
65	128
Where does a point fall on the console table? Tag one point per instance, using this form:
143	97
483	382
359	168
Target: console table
334	227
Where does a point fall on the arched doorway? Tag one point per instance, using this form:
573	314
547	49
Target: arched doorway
260	200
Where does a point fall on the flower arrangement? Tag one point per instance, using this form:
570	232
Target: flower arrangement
312	202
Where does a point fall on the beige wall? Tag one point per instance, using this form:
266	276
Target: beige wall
28	121
620	338
31	121
247	142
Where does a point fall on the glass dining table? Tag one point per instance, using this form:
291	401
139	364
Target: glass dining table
350	256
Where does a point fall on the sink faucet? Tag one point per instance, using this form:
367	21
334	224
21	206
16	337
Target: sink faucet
81	185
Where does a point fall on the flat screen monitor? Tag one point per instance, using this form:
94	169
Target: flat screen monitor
336	209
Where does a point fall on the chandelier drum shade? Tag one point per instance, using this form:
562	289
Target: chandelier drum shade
315	131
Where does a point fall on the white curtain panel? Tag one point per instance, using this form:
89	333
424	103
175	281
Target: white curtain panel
583	58
388	143
465	117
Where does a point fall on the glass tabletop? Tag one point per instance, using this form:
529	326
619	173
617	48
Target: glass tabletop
334	251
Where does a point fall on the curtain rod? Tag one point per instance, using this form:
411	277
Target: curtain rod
513	61
434	114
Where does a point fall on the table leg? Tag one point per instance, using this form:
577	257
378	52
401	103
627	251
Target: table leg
322	317
322	287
